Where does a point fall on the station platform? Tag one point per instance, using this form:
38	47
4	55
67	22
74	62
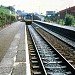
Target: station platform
16	59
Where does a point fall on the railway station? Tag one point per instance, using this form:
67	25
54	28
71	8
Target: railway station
32	43
37	50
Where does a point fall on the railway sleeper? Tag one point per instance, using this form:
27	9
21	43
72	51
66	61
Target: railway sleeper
70	61
50	55
55	67
51	73
32	51
58	71
30	44
34	58
36	67
56	62
33	54
50	59
34	61
37	73
31	48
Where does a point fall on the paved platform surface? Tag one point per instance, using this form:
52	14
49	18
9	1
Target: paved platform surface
20	62
15	61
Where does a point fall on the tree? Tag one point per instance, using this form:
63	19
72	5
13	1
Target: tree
69	20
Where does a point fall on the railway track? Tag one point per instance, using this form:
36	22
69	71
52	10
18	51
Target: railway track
63	48
35	63
50	61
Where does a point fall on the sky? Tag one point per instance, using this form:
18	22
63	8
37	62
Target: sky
39	6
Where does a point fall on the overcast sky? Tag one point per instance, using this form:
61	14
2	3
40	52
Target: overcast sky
40	6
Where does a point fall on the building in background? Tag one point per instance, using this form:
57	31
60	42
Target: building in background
49	13
70	10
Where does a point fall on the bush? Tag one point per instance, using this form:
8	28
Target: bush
13	18
69	20
6	19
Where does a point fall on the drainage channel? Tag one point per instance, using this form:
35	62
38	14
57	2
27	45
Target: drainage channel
52	62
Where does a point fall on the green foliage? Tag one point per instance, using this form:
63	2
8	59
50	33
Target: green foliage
60	21
5	17
13	18
4	10
69	20
47	18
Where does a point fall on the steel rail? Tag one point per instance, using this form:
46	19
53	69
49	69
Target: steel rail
39	54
